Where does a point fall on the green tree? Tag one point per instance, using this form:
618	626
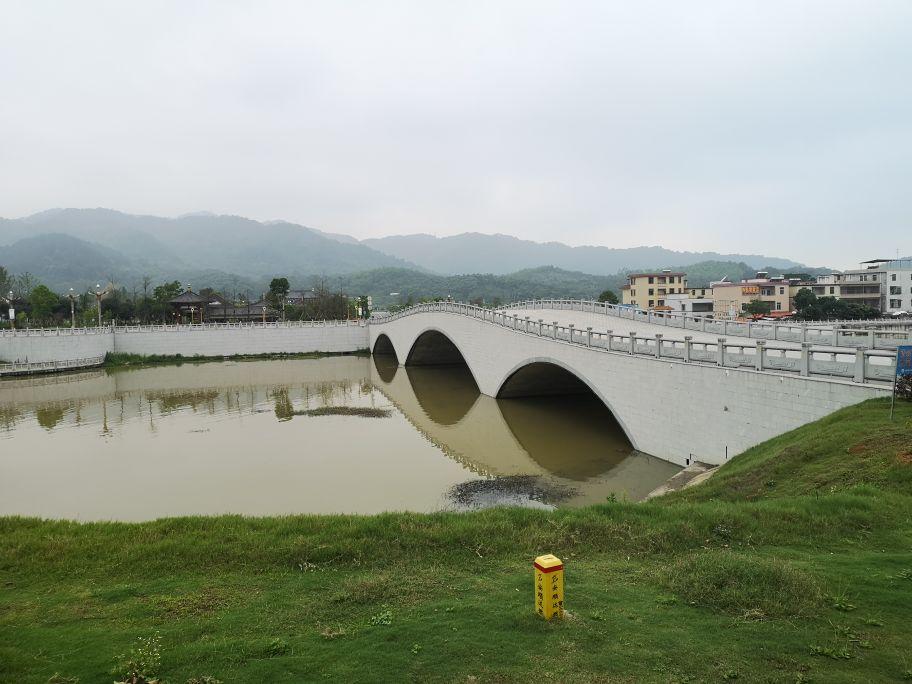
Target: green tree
278	289
608	296
6	282
167	291
805	299
161	295
757	307
278	294
43	302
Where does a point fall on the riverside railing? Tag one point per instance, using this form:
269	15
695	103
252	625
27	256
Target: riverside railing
832	334
28	368
51	332
861	365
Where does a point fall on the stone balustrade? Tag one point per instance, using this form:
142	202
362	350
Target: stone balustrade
813	358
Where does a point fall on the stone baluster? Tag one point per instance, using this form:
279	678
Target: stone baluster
658	351
608	337
688	347
720	352
539	327
859	364
554	329
589	337
805	358
633	342
761	350
570	327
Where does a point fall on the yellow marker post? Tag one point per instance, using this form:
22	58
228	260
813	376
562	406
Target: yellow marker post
549	586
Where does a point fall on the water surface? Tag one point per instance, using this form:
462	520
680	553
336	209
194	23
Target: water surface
333	435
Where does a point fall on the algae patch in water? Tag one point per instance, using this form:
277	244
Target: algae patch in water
511	490
362	411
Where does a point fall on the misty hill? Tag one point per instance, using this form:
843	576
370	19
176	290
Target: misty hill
62	261
233	244
500	254
78	247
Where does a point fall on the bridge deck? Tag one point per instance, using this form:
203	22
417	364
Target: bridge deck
622	326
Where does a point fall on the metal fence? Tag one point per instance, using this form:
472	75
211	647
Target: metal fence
107	329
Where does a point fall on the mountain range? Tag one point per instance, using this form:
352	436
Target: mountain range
80	247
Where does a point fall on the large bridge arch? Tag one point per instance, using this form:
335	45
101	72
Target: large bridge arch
548	376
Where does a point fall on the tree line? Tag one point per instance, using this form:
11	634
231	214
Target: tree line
37	305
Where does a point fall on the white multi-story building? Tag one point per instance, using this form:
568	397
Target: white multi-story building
898	285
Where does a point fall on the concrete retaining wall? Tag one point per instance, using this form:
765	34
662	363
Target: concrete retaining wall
62	345
37	346
218	341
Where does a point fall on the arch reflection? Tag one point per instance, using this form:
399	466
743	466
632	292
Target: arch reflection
386	366
445	393
573	437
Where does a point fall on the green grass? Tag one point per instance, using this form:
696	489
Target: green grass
792	564
121	359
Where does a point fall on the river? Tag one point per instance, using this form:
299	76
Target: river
344	434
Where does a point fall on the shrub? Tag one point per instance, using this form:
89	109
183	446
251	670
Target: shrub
904	387
743	584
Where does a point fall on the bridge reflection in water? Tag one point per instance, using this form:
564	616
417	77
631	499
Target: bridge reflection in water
571	440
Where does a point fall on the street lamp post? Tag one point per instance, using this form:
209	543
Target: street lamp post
264	314
192	311
98	294
72	309
12	311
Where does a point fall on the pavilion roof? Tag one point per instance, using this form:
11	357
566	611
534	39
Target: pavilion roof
189	297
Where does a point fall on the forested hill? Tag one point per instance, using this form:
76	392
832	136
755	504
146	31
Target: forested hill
546	281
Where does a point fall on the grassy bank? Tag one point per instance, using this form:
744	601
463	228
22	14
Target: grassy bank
121	360
792	564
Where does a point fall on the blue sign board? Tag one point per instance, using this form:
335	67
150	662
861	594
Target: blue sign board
904	360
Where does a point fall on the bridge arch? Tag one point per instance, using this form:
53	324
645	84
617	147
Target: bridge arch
433	347
383	346
547	376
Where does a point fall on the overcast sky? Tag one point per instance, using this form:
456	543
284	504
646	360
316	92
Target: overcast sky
782	128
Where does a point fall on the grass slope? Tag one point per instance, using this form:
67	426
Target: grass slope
792	564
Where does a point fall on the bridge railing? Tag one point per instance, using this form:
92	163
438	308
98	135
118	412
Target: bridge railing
28	368
860	364
832	334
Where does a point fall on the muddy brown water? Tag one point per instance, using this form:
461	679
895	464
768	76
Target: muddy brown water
333	435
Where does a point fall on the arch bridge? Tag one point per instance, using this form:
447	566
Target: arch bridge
674	397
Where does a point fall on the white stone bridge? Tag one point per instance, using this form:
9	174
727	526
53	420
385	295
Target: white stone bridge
685	394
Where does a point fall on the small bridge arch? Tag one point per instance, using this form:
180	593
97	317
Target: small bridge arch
433	347
383	346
